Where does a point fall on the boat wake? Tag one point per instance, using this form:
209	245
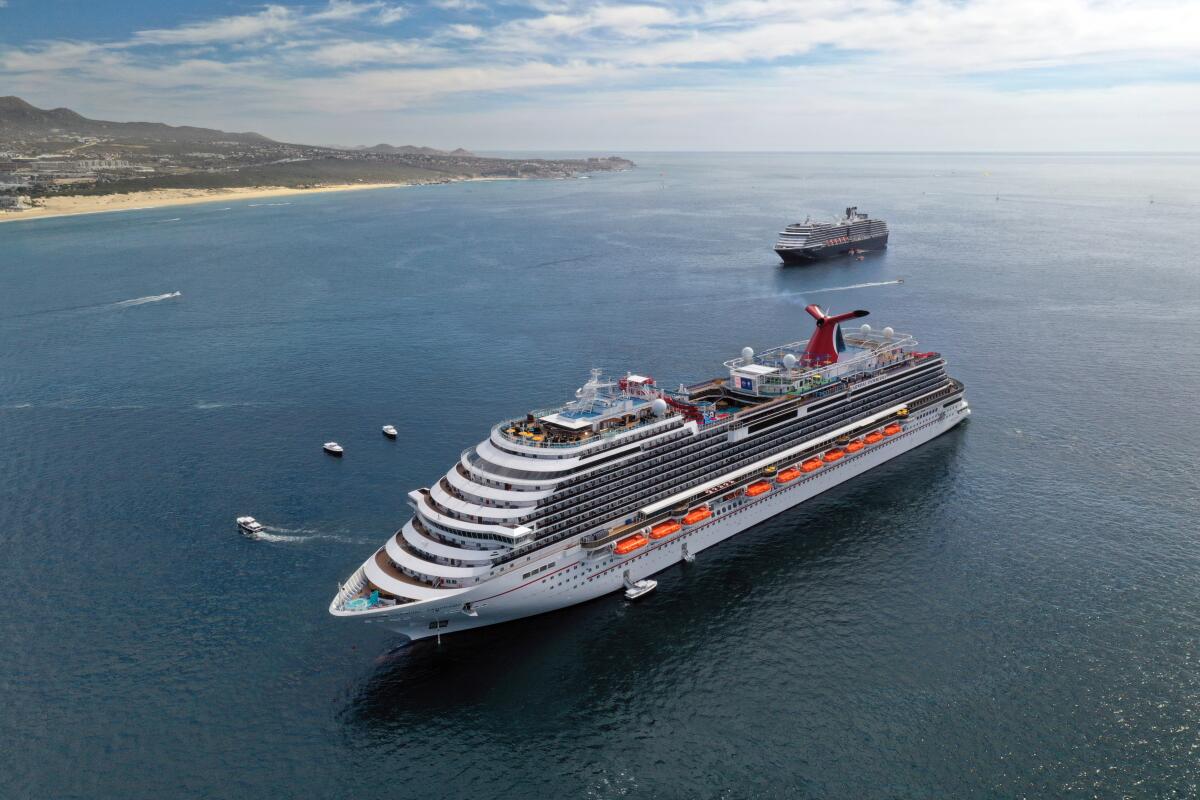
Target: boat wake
136	301
139	301
895	282
801	293
271	533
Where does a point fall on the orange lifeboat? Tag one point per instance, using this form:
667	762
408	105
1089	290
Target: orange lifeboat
789	474
833	455
631	543
892	430
664	529
811	465
697	515
873	437
755	489
855	446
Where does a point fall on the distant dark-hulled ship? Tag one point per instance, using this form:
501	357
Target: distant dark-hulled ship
809	241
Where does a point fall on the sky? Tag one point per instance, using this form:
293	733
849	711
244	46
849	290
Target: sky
599	75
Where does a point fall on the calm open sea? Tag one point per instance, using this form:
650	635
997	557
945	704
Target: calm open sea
1012	610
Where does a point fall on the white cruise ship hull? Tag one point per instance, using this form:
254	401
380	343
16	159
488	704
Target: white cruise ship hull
578	575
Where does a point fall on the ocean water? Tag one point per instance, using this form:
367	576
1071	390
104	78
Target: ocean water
1012	610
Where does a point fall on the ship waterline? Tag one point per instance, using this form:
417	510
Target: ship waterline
567	504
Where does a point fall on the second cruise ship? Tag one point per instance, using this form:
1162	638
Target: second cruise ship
811	241
566	504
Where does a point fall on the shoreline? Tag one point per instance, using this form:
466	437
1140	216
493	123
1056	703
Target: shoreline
77	205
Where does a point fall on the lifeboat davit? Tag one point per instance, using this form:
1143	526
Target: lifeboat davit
789	474
833	455
892	430
855	446
697	515
631	543
811	465
873	437
755	489
664	529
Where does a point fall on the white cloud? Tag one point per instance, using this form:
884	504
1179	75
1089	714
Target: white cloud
272	19
392	14
856	58
348	52
465	31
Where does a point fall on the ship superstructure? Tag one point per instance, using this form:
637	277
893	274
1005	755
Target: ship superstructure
569	503
811	241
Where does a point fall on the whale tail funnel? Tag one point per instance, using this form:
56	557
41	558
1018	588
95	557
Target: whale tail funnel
823	347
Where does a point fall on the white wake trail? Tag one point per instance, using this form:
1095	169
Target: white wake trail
785	295
271	533
852	286
137	301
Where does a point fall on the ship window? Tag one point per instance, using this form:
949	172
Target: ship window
443	623
433	625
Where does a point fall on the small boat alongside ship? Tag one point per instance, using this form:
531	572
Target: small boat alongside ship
853	234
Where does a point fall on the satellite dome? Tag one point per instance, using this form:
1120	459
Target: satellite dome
865	328
789	361
748	354
888	332
659	406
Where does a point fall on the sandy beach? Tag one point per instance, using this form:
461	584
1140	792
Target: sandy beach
160	198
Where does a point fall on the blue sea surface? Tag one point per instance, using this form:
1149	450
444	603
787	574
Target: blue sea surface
1012	610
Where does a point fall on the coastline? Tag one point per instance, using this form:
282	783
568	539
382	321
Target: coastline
75	205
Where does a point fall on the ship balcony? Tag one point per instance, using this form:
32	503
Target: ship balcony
432	571
510	534
419	539
381	572
465	484
441	492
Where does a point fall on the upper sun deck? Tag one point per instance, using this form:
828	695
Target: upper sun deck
602	408
793	369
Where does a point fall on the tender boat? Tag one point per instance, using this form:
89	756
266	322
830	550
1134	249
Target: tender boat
389	431
636	589
697	515
755	489
333	448
249	526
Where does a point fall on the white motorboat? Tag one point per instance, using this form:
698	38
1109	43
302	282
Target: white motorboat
639	589
333	448
389	431
249	526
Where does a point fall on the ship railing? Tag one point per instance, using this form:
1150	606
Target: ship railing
528	441
351	588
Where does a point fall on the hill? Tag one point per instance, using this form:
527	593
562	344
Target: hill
21	120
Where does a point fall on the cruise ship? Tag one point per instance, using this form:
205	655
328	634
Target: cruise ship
810	241
567	504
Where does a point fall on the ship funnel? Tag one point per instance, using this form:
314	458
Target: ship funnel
822	347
